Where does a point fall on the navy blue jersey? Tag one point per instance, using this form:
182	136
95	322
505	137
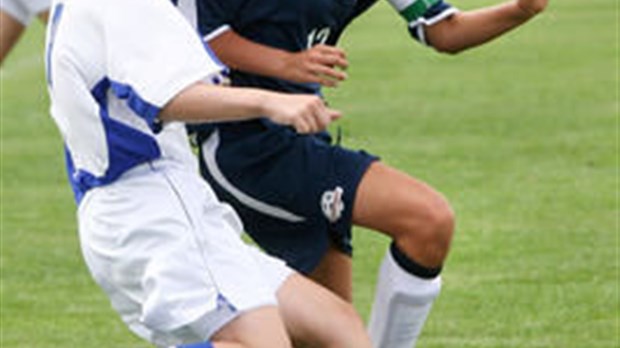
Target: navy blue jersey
293	25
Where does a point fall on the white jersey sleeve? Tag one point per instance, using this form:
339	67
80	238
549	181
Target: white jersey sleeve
152	47
112	65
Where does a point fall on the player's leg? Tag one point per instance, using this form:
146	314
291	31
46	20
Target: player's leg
334	272
421	223
259	328
416	216
10	31
183	275
315	317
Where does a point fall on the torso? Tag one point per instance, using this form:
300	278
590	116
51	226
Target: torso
292	25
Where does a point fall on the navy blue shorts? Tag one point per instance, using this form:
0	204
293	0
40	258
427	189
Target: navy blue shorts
294	192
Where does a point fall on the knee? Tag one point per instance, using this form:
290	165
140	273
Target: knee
346	329
429	227
439	221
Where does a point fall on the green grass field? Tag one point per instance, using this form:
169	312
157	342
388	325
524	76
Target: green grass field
521	135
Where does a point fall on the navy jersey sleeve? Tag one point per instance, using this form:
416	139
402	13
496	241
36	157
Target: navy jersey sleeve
438	12
214	16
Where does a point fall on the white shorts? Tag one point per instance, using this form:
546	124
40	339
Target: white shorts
170	256
24	10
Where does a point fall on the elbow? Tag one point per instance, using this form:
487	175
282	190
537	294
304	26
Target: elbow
447	47
445	43
449	50
445	36
533	10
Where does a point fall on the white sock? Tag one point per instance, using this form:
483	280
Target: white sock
402	303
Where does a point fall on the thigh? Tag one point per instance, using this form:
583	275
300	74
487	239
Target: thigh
259	328
392	202
335	272
314	317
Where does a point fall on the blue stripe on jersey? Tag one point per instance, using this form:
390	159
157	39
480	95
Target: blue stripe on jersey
78	194
53	29
127	146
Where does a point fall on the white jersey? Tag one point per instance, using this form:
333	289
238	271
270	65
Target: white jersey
24	10
109	77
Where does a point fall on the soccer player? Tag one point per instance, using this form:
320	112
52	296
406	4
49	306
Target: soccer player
299	195
167	253
14	17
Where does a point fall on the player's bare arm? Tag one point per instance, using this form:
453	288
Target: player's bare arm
201	102
11	30
468	29
319	64
305	113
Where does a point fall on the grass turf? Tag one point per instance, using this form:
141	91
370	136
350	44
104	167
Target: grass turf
521	136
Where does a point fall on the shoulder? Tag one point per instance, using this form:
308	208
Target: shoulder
362	6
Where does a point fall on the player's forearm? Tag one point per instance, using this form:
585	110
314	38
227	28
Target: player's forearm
203	103
473	28
242	54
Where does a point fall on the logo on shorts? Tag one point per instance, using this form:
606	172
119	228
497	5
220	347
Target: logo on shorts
332	204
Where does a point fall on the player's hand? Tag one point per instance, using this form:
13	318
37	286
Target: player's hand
532	7
320	64
305	113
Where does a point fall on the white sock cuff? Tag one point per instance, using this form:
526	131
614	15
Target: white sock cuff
421	289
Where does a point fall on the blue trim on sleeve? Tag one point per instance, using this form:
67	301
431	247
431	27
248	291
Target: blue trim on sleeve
144	109
212	55
217	79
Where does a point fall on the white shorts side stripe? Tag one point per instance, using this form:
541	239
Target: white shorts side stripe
209	149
